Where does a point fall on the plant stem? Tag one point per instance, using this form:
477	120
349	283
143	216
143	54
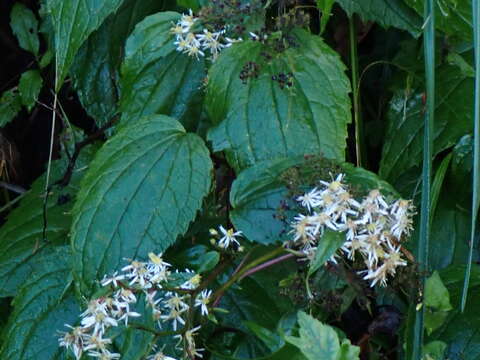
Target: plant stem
266	265
237	276
357	118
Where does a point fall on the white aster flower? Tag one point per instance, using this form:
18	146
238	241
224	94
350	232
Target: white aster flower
229	237
113	279
311	199
202	301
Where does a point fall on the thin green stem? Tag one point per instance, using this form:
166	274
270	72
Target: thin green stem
429	50
357	118
476	151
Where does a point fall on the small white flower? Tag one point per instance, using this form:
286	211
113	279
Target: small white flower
229	237
104	355
202	301
187	21
159	356
74	340
112	280
175	316
310	199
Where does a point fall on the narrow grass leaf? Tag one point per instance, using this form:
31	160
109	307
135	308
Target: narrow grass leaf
429	49
476	148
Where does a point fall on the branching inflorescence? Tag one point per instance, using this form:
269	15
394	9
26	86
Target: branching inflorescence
374	228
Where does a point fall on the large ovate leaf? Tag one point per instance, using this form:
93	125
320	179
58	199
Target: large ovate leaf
73	21
453	118
320	341
22	242
257	119
454	17
24	25
386	13
141	191
96	67
41	308
261	196
155	77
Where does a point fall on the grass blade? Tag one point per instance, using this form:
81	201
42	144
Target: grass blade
429	50
476	148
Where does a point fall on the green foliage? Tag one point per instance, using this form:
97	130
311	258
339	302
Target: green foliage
404	138
159	186
200	165
386	12
43	303
257	119
320	341
73	21
460	330
23	242
437	301
452	16
157	79
31	83
95	69
10	105
24	25
329	244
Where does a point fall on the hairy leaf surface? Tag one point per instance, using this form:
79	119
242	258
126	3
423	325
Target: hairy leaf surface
155	77
96	67
21	237
141	191
73	21
41	308
385	12
258	120
453	118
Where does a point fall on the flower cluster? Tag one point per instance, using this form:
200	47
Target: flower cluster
170	295
198	43
373	227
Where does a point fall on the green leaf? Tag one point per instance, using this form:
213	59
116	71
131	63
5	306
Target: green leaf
31	83
438	182
328	245
325	7
454	17
261	196
21	236
135	344
453	118
10	105
259	120
156	78
41	308
437	301
272	340
320	341
386	13
434	350
24	25
141	191
73	21
461	331
95	70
